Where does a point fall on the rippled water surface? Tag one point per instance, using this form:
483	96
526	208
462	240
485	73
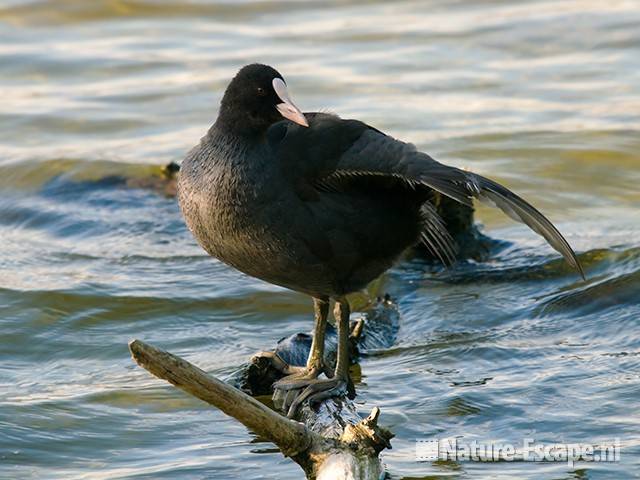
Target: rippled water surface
544	96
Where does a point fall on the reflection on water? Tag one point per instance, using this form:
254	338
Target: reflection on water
543	96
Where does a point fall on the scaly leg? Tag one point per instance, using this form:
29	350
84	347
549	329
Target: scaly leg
320	389
301	376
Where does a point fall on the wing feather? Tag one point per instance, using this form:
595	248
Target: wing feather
377	154
435	235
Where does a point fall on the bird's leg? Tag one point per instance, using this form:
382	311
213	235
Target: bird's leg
315	362
342	313
320	389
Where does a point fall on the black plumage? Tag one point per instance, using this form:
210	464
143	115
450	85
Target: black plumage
326	208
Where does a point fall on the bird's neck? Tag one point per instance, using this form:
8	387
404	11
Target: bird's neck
234	123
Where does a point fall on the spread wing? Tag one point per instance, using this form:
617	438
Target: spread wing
374	153
335	150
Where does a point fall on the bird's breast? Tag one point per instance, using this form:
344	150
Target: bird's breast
233	209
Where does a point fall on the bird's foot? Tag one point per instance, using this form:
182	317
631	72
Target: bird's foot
288	388
311	390
297	379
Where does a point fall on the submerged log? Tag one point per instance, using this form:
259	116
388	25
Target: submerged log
330	441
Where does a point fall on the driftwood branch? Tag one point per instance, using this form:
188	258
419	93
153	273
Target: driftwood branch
330	440
290	436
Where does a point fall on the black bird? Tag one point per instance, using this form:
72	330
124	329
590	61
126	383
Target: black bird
321	205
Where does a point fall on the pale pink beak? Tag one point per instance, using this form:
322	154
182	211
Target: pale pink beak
287	108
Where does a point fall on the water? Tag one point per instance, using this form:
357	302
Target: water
543	96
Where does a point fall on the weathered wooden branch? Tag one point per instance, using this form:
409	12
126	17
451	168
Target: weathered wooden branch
291	437
330	441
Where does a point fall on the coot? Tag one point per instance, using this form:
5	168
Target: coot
321	205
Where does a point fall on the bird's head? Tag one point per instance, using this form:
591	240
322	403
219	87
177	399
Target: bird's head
256	98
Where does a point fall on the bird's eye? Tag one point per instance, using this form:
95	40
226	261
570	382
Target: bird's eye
261	92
